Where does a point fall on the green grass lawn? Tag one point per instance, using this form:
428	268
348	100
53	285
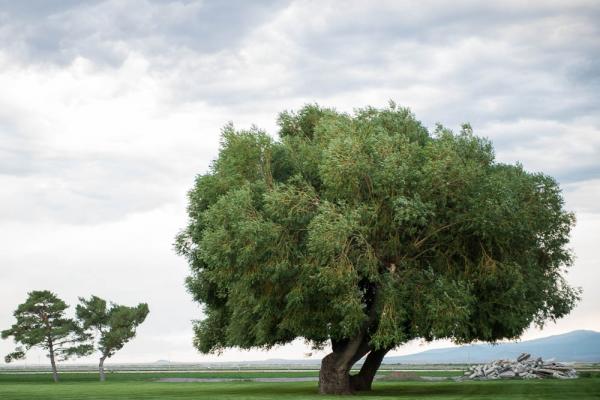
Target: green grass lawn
140	386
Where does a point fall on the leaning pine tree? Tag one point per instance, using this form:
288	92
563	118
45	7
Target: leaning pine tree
112	326
366	231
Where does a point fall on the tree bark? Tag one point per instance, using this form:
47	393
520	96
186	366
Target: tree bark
334	375
101	369
52	361
50	344
364	379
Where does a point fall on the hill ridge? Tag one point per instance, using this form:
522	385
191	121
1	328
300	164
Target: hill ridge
580	345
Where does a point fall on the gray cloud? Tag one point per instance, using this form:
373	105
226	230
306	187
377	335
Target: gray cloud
505	60
491	64
57	31
108	109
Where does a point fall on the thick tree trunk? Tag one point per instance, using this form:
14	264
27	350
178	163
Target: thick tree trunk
334	376
101	369
364	379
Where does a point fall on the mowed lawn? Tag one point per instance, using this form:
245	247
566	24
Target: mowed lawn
141	386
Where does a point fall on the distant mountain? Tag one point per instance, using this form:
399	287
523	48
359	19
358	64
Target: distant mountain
580	346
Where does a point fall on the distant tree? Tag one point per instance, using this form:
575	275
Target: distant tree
41	322
366	231
112	326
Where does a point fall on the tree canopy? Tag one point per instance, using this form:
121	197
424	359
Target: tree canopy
113	326
365	231
41	322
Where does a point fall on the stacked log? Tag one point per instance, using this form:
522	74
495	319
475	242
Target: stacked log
524	367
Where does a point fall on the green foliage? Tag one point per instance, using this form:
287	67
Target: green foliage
114	325
367	223
41	322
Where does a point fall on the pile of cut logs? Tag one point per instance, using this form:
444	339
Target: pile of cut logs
524	367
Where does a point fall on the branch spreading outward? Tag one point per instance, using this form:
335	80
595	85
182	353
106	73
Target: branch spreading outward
365	231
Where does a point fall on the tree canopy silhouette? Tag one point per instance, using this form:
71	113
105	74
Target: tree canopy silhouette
41	322
111	326
365	231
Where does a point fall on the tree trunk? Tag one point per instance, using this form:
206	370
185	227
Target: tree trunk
101	369
50	343
53	362
334	376
364	379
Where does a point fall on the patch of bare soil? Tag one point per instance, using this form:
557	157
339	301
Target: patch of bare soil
401	376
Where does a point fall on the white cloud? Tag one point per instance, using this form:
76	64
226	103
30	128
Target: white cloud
567	150
582	197
85	143
107	114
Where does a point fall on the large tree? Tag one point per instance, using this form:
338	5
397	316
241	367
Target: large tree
365	231
41	322
111	326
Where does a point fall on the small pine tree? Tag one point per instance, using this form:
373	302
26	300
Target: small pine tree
41	322
113	326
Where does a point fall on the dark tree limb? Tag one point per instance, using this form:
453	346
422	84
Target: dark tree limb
364	379
334	376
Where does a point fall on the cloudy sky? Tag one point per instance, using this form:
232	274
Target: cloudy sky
108	109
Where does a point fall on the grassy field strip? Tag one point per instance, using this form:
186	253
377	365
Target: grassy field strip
505	390
166	371
69	377
208	372
130	386
179	367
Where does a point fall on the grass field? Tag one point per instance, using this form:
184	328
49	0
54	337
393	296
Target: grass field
124	386
78	377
